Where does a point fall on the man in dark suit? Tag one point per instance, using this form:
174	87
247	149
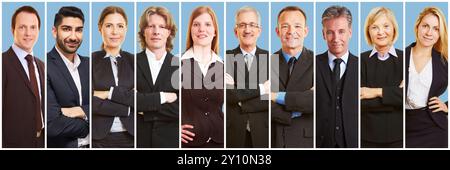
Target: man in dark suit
23	84
292	83
247	111
337	83
68	83
157	98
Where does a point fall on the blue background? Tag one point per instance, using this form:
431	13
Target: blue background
186	11
97	8
262	8
173	9
321	44
53	8
413	9
8	9
396	8
307	7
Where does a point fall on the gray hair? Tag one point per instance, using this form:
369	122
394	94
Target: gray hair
247	9
336	11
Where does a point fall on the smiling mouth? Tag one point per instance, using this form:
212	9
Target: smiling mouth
201	36
428	39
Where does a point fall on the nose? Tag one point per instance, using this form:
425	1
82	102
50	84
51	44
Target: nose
429	31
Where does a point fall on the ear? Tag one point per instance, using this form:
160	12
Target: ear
277	31
350	32
54	31
235	32
306	31
323	34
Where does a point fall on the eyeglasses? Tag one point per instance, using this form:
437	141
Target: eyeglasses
243	25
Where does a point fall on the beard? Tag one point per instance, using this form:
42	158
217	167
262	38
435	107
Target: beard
66	49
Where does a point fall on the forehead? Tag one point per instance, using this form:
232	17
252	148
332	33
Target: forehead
114	18
72	21
292	16
204	17
336	23
247	16
430	19
156	18
26	18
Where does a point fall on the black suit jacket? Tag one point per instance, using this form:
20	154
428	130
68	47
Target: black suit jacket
438	84
246	104
288	131
148	101
325	106
19	104
122	100
382	118
63	131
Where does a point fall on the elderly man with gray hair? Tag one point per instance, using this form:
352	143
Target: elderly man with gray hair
247	85
337	83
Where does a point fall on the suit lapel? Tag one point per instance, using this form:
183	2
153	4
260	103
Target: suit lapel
283	69
83	71
18	66
58	61
165	71
304	63
143	65
325	71
350	74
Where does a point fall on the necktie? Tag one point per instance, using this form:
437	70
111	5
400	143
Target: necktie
34	87
337	69
291	64
248	62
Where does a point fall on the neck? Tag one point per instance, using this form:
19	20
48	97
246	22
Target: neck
292	51
69	56
113	51
248	48
383	50
202	53
422	50
159	52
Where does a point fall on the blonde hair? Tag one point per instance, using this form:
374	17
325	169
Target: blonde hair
376	13
170	25
197	12
441	45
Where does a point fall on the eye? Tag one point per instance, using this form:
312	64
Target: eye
195	24
79	29
208	24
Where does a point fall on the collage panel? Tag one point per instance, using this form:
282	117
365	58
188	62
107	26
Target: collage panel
23	75
113	75
247	75
68	82
202	70
426	75
382	83
158	75
292	74
337	87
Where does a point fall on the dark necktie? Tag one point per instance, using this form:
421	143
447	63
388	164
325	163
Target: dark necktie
291	64
337	69
34	87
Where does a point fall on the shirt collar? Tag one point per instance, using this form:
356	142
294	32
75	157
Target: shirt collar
190	54
109	55
287	56
76	59
20	52
151	56
331	57
391	52
251	53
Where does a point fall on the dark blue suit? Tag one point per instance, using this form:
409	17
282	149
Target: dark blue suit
63	93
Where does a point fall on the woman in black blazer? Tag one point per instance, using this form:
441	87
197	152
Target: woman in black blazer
426	80
381	79
113	84
202	78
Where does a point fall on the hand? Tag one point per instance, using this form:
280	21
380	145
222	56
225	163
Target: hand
101	94
186	135
73	112
312	88
370	93
402	84
228	79
266	85
437	105
170	97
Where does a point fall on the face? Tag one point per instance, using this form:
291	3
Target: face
113	30
381	32
428	31
247	29
202	30
337	33
26	31
292	29
156	32
69	34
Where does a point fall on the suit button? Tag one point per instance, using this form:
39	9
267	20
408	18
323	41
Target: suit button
205	99
337	127
206	113
337	107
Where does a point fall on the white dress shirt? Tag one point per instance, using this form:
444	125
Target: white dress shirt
203	67
343	65
385	56
419	85
73	70
117	125
155	68
21	54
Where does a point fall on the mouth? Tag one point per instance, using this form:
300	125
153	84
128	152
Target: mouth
381	38
428	38
72	44
155	39
202	36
